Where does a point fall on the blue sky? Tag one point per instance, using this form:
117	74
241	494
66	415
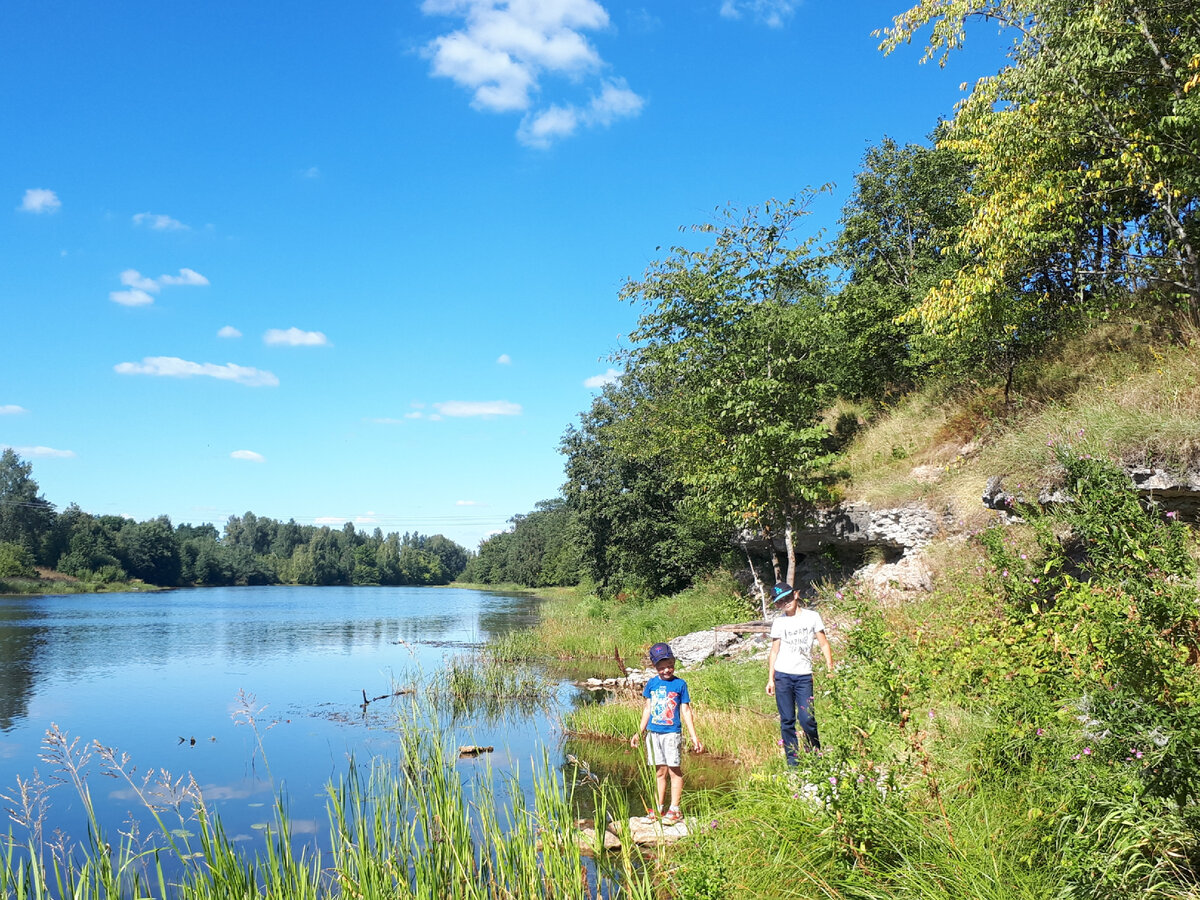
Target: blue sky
360	263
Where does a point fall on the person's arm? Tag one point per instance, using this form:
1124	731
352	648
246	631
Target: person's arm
686	716
826	649
633	741
771	666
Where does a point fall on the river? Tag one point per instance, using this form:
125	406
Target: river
173	678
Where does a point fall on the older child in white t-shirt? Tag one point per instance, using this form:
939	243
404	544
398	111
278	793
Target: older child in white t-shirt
789	669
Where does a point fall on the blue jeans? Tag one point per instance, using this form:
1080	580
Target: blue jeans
793	697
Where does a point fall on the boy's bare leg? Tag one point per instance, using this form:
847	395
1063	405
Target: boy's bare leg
676	785
661	775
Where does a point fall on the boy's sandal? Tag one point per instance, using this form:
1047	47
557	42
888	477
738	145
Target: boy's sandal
672	817
652	815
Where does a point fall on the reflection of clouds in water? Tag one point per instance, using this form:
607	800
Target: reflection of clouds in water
237	791
303	826
11	750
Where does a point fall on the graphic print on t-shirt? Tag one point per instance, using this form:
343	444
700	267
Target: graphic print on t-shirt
663	704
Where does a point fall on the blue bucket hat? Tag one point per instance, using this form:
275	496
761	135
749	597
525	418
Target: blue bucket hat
781	592
659	652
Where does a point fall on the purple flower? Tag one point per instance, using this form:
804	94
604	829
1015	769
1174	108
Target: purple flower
1041	731
1087	751
1172	514
833	780
1035	580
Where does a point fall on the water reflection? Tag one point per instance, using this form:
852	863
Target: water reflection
20	639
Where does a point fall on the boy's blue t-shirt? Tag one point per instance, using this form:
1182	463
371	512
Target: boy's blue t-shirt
666	698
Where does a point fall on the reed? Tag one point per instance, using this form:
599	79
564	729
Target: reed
405	831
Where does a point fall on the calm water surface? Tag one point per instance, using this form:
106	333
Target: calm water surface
148	673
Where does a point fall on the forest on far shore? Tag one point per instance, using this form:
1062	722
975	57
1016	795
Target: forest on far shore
251	550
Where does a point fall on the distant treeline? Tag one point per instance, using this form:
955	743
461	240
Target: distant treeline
1064	192
252	549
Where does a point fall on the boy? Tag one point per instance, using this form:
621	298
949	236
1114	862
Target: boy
668	707
789	669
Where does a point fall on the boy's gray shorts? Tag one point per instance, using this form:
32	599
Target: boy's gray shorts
663	749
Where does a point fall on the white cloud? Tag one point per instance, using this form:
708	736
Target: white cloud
460	408
141	287
615	101
130	298
368	519
40	452
467	503
598	381
311	172
248	455
12	410
228	331
329	520
543	128
185	276
134	279
174	367
414	415
40	200
294	337
159	222
506	48
504	359
772	13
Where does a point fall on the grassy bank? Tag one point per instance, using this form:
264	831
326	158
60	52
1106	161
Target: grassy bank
1028	729
48	581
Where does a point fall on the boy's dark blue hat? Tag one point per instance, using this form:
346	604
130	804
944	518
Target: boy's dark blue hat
659	652
781	591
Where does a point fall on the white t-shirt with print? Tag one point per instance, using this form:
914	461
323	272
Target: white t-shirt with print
796	635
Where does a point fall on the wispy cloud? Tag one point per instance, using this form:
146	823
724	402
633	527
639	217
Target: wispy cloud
12	409
599	381
185	276
772	13
142	287
159	222
507	48
228	331
463	409
543	128
130	298
467	503
504	359
174	367
135	279
310	172
294	337
248	456
40	452
40	200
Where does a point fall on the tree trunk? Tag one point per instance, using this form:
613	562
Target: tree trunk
789	540
774	556
762	591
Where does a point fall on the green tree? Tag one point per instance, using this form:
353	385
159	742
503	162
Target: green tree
634	528
150	551
26	518
1085	153
729	349
899	230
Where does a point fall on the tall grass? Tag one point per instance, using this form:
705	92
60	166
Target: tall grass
407	830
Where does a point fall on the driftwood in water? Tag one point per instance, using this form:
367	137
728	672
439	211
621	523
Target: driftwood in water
368	701
473	750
